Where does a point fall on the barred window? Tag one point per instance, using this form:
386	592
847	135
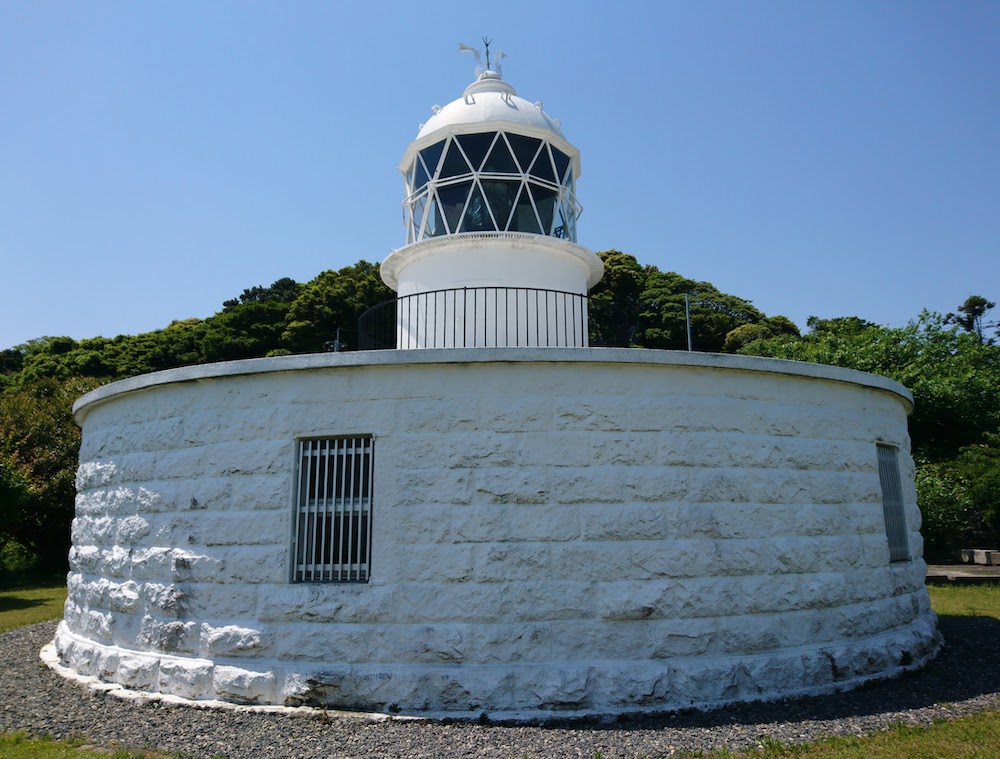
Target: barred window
333	505
892	503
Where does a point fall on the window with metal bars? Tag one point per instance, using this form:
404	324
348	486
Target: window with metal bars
333	505
892	503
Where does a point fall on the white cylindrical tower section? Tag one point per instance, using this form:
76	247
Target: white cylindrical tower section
491	216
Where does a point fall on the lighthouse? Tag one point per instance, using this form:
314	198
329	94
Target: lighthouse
494	517
491	256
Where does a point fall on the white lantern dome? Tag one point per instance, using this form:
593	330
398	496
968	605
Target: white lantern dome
490	100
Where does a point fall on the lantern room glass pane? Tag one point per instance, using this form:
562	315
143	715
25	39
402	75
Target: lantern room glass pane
525	149
545	202
453	203
542	167
500	195
500	161
477	216
564	224
419	210
420	176
475	147
435	223
562	163
524	219
432	156
454	163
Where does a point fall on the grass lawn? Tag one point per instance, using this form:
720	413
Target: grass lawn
976	737
25	604
19	746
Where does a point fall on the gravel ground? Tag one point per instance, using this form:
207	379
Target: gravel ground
965	678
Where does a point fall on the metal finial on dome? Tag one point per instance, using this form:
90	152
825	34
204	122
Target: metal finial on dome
493	66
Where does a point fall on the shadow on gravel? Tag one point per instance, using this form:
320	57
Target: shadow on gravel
968	666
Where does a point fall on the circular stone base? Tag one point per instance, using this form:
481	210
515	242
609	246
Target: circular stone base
555	532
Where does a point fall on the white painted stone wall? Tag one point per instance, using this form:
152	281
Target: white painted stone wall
571	531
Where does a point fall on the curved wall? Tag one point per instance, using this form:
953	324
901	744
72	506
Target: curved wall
554	530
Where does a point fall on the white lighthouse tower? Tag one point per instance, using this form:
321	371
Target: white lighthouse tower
491	258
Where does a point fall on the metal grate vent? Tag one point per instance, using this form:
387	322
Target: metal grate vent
892	503
333	506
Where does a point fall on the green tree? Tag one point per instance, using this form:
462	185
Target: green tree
744	335
615	304
970	315
39	447
331	300
284	290
248	330
663	322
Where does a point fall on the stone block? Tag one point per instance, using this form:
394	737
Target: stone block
249	528
123	597
94	474
630	521
341	643
243	686
211	600
131	530
168	636
186	566
521	485
164	600
425	563
154	564
512	562
250	563
138	671
233	640
186	678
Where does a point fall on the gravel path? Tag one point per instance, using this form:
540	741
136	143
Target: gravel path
965	678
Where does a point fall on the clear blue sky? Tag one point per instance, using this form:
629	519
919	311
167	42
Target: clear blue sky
824	157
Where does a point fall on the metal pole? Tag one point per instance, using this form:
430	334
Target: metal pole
687	318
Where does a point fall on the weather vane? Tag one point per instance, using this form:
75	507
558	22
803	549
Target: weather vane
478	55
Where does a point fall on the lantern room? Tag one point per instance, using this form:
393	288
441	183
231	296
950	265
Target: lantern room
490	211
490	162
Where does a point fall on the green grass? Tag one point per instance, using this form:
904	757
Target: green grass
975	737
19	746
966	600
26	604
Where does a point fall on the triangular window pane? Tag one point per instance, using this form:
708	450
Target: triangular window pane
432	156
435	224
419	176
477	216
475	147
524	219
500	161
562	163
542	167
453	203
564	228
525	149
454	163
501	196
419	209
545	202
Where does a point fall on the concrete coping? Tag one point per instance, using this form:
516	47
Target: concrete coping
427	356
